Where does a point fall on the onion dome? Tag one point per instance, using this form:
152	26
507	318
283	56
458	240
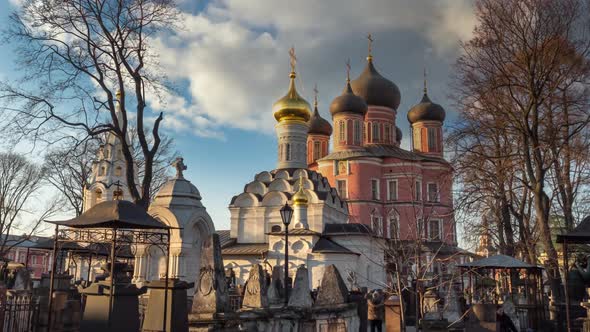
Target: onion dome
376	89
300	197
292	106
426	110
348	102
398	134
319	125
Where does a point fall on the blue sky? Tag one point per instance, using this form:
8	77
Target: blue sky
230	63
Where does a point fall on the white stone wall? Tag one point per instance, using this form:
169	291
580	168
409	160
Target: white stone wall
293	134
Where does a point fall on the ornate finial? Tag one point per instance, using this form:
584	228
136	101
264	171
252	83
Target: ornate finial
315	96
425	80
370	38
178	163
348	70
293	60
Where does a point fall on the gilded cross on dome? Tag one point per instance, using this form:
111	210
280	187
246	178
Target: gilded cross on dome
370	38
293	59
178	163
348	70
315	95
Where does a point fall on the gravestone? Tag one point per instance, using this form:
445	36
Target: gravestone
333	290
300	295
276	290
211	294
255	291
176	312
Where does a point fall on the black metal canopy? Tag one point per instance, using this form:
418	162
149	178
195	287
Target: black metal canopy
499	262
114	214
580	234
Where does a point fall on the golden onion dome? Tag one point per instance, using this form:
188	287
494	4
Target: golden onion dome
292	106
300	197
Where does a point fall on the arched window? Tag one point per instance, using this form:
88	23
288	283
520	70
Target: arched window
275	229
386	133
342	131
287	152
377	223
119	171
102	171
317	149
376	132
393	225
98	195
357	132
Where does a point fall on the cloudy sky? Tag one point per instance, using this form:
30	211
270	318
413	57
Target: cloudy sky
229	62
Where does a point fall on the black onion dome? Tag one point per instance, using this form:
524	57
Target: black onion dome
348	102
376	89
426	110
398	134
319	125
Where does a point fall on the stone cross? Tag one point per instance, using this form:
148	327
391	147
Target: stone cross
178	163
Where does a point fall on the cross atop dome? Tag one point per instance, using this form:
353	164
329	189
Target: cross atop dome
370	39
178	163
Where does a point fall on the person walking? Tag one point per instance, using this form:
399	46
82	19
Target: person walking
376	310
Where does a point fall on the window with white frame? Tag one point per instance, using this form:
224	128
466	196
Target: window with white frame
434	230
393	225
418	190
357	132
377	224
432	140
341	188
433	194
317	149
375	189
376	131
392	190
342	131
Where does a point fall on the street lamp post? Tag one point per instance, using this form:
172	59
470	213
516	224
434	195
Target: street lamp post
286	214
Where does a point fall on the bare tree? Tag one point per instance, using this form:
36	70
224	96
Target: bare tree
74	56
524	53
69	167
21	183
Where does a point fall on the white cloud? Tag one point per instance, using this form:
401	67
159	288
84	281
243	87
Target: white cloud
234	53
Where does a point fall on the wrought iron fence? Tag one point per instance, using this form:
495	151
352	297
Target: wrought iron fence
21	312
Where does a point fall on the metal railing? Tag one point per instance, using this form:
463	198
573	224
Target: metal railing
21	312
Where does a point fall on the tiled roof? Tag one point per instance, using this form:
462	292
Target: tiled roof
224	237
347	229
380	151
325	245
245	249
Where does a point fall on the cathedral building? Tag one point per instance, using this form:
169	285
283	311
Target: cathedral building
399	194
319	234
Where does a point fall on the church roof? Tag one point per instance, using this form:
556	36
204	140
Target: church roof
245	249
327	246
376	89
268	187
382	151
296	231
347	229
499	262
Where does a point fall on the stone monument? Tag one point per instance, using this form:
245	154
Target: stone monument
176	312
332	290
300	295
211	293
255	291
275	290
